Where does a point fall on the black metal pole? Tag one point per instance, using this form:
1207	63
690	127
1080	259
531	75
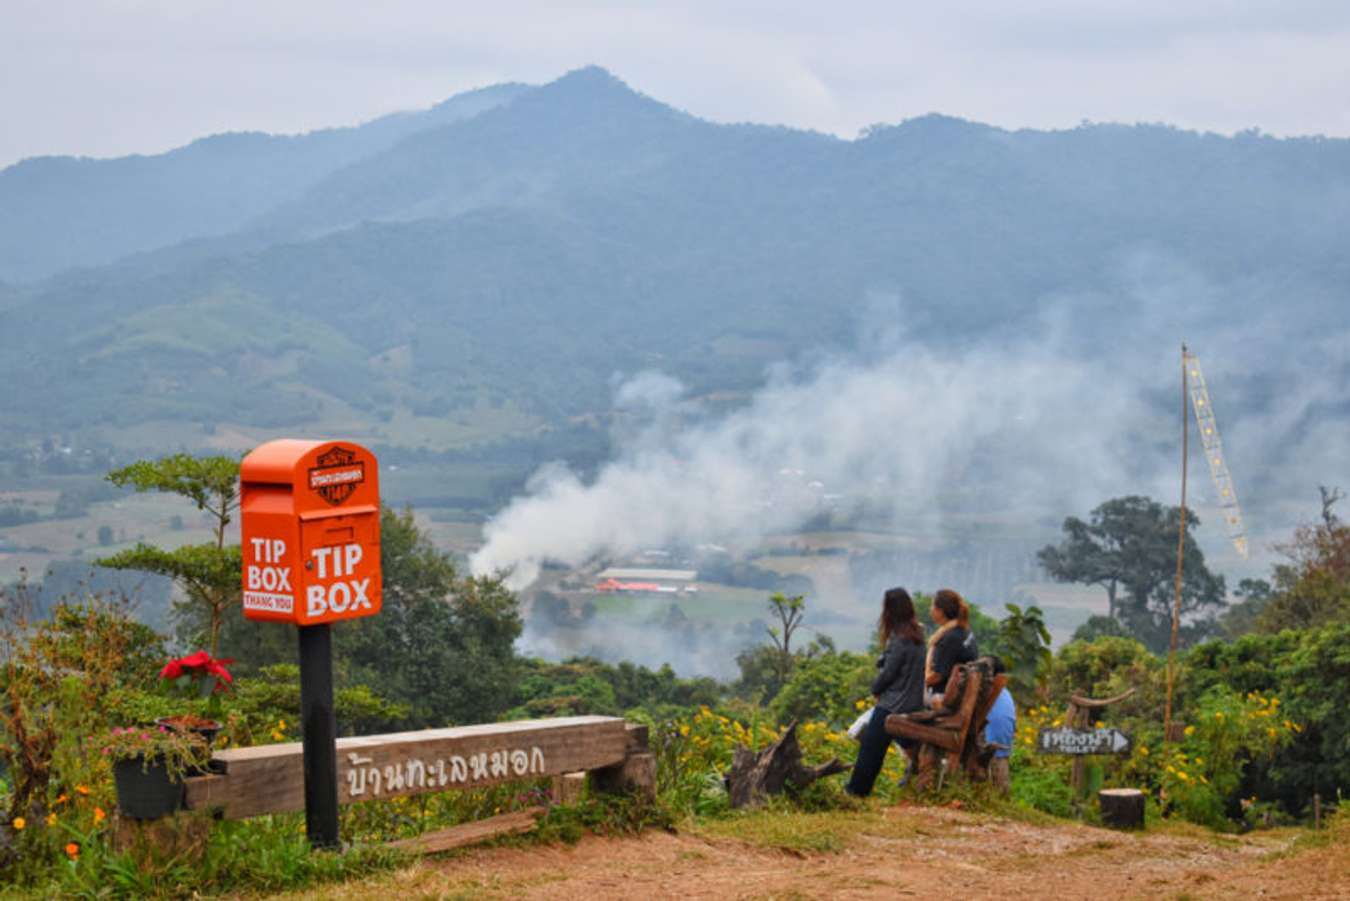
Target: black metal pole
320	735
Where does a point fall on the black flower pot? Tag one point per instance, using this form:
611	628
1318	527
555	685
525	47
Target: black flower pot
144	790
207	733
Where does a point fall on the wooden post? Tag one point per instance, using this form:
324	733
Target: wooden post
1074	718
320	735
636	774
1181	549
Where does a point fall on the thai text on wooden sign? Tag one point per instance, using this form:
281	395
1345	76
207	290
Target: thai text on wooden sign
270	778
1083	741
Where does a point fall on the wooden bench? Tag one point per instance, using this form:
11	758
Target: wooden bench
955	730
611	754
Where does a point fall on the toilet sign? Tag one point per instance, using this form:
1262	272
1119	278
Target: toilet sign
311	532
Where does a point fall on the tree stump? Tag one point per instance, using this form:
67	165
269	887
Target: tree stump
755	776
1122	808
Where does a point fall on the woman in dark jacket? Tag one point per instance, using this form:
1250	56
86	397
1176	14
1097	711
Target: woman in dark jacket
952	643
898	686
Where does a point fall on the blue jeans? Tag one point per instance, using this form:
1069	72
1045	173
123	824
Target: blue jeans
871	754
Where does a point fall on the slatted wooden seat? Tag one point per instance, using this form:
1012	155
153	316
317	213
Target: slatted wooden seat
955	729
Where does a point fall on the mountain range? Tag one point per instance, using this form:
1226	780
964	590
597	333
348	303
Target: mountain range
511	249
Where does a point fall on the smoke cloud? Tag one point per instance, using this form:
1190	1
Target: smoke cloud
1021	430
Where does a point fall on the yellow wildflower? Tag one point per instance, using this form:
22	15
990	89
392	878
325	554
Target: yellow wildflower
1099	725
684	729
1189	730
1143	750
1272	732
861	705
1199	761
51	819
18	823
281	724
1218	714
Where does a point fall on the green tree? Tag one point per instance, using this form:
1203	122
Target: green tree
207	574
1024	644
1313	586
789	611
1129	547
442	644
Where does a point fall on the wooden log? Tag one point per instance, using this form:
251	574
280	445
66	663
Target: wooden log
1122	808
568	788
755	776
270	778
636	775
180	837
471	833
637	738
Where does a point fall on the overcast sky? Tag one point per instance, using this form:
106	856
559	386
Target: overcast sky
110	77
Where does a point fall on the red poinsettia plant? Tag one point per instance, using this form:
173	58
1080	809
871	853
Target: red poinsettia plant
199	675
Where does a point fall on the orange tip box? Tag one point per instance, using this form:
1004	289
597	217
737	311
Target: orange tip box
310	518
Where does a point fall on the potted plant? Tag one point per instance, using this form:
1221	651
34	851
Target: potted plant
149	765
198	676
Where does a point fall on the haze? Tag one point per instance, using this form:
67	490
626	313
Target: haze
112	77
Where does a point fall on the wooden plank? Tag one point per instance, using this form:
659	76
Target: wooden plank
270	778
637	737
472	833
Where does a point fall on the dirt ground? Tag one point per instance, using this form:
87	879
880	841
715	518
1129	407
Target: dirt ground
894	852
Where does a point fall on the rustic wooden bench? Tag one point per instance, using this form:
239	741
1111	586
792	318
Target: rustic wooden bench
955	730
612	753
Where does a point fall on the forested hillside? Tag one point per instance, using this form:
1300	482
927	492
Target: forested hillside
514	248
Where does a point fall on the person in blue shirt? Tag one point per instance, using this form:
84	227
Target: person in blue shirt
999	731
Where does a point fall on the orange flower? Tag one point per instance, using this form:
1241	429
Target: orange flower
72	850
18	823
61	799
99	814
82	789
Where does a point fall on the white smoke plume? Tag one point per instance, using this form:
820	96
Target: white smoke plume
1023	430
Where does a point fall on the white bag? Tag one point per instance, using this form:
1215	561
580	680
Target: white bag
856	730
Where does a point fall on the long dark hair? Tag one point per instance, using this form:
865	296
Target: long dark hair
953	606
897	617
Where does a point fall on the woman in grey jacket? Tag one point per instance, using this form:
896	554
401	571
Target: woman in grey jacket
898	686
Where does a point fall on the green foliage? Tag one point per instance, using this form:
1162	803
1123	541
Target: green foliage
1024	644
178	751
1108	667
443	645
1129	547
1307	670
1313	587
49	672
824	687
583	685
211	483
207	574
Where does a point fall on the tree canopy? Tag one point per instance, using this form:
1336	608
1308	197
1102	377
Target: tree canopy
1128	546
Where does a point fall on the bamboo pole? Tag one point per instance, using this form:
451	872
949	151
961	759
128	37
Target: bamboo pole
1181	552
